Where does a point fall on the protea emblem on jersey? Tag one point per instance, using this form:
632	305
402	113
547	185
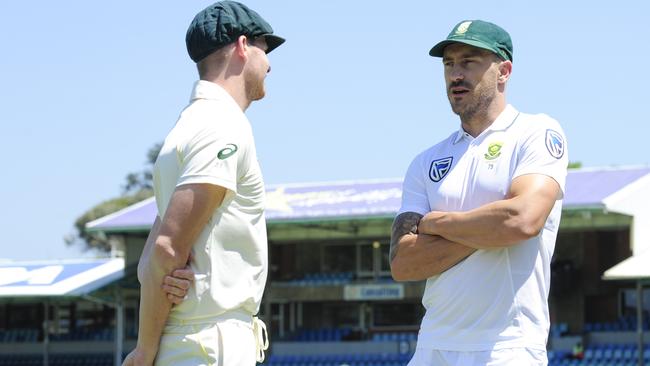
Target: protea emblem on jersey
554	143
440	168
493	151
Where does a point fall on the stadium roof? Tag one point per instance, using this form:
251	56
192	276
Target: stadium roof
586	189
633	268
590	188
57	278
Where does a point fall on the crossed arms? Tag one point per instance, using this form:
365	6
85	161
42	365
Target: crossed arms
422	246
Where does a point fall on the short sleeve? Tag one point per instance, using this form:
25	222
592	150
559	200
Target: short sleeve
414	191
544	151
210	157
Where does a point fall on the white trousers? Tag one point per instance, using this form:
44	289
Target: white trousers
223	341
499	357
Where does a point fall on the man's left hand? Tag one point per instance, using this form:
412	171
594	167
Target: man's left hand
177	284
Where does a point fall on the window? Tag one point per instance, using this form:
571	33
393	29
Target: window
339	258
397	314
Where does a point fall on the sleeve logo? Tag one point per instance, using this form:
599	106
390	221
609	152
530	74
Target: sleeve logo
227	151
555	143
440	168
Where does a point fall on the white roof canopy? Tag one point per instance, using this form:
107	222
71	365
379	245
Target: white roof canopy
637	267
57	278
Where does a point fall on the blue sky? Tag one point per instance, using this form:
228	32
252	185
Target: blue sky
87	87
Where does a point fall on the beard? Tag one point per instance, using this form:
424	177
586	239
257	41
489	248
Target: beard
254	87
476	103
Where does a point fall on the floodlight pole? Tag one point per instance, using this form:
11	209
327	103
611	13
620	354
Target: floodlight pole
46	332
639	320
119	325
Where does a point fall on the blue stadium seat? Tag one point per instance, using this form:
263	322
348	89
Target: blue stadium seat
598	353
646	354
628	353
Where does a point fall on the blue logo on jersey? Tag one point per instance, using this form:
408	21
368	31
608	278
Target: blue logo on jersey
440	168
554	143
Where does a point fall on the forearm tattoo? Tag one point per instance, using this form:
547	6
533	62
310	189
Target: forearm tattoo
404	223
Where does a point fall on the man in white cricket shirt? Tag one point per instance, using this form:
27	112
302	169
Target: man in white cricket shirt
480	213
210	197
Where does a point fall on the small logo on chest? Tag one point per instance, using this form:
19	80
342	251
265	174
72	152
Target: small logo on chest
493	151
440	168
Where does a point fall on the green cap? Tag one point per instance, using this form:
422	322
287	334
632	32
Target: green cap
222	23
478	33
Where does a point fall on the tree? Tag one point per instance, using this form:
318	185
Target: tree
575	165
138	186
143	180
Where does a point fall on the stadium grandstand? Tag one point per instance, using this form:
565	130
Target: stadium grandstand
330	285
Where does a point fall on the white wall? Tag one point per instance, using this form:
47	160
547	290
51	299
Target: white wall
634	200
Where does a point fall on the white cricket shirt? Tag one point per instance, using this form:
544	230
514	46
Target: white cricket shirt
212	142
494	298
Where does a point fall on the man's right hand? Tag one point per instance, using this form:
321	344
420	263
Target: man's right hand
137	358
177	284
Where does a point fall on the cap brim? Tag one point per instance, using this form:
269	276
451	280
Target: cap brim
438	49
272	42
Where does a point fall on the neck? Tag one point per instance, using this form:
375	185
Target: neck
231	83
236	91
476	123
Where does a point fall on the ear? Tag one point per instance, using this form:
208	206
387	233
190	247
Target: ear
241	47
505	70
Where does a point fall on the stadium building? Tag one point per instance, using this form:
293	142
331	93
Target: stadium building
330	285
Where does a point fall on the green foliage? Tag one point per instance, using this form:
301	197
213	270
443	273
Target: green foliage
138	181
138	186
575	165
97	240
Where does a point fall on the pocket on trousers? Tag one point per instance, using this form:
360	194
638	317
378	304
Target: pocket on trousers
208	344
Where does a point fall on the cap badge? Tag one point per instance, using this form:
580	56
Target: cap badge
463	27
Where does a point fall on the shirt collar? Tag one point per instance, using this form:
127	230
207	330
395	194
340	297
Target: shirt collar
204	89
503	121
461	134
